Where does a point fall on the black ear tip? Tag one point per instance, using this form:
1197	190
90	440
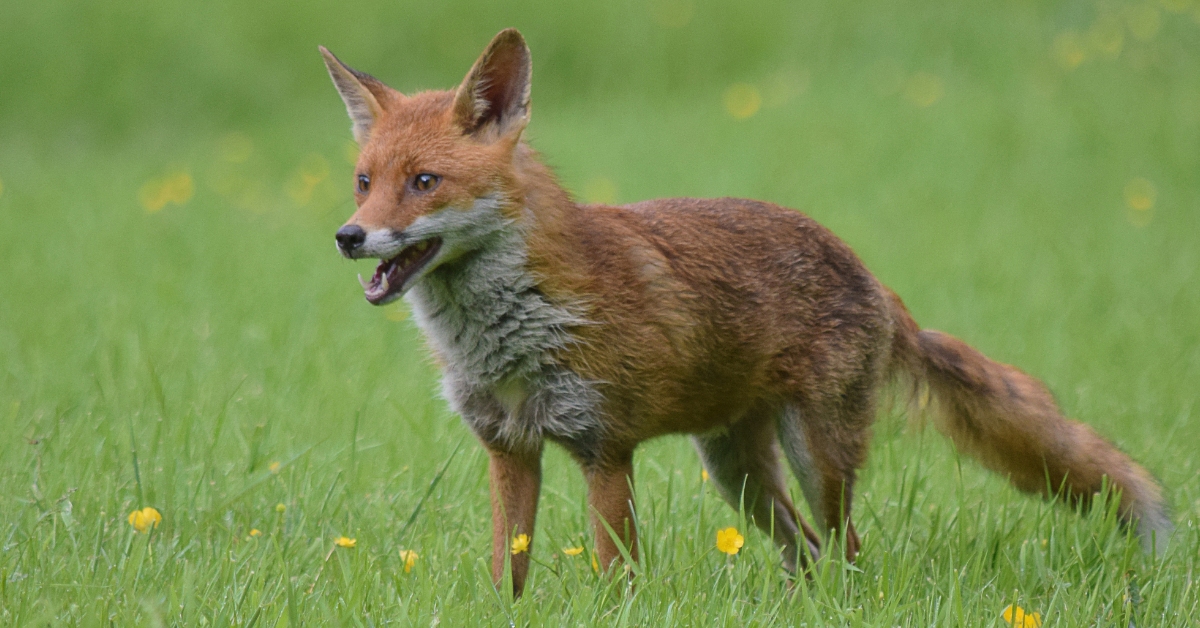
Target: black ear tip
510	36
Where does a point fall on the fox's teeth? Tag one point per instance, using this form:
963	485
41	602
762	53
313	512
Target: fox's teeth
383	282
363	282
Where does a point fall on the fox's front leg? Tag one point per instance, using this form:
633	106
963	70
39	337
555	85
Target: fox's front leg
515	480
610	496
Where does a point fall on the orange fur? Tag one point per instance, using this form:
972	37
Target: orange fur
745	324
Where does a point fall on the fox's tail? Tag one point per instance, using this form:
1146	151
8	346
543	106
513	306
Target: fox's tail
1010	423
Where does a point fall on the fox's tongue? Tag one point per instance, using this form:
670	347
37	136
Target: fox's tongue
377	288
391	274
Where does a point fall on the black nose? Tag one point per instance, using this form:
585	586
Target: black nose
350	237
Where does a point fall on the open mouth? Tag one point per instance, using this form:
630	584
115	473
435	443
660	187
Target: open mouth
391	274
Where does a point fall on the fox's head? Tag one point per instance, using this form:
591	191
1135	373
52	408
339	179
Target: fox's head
435	171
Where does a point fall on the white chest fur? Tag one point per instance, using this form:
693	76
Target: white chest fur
497	335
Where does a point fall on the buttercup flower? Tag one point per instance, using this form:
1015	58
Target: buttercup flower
346	542
520	543
174	188
145	519
274	467
255	532
573	551
729	541
1016	616
280	507
703	475
410	558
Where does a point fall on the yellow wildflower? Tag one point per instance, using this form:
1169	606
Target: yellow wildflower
144	519
274	467
573	551
397	313
595	564
1140	194
742	100
923	89
729	541
600	190
280	507
1070	50
703	475
1016	616
346	542
520	543
175	188
672	13
410	558
308	176
255	532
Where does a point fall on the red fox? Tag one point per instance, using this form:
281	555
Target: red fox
746	325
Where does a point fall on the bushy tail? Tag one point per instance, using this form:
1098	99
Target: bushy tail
1010	423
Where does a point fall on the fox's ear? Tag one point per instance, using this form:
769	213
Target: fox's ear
361	92
493	101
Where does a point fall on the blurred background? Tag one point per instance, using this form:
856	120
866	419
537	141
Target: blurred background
1022	166
1024	173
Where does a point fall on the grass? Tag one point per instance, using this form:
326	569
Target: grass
170	358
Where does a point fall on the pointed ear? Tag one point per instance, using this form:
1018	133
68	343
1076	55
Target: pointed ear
361	92
493	101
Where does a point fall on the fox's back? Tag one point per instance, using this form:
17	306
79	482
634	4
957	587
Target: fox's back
703	305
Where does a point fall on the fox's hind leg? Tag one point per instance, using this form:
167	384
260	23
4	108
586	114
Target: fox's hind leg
743	461
825	450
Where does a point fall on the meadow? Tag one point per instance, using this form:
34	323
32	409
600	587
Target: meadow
178	332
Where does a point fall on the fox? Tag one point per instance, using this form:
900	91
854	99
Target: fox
745	325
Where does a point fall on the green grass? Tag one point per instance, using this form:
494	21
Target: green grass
169	358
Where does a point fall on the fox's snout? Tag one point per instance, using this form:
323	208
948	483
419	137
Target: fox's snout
349	239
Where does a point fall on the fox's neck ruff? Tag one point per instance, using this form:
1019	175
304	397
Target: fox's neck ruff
497	334
483	312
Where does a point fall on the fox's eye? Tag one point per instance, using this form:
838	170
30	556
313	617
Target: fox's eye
425	182
364	183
